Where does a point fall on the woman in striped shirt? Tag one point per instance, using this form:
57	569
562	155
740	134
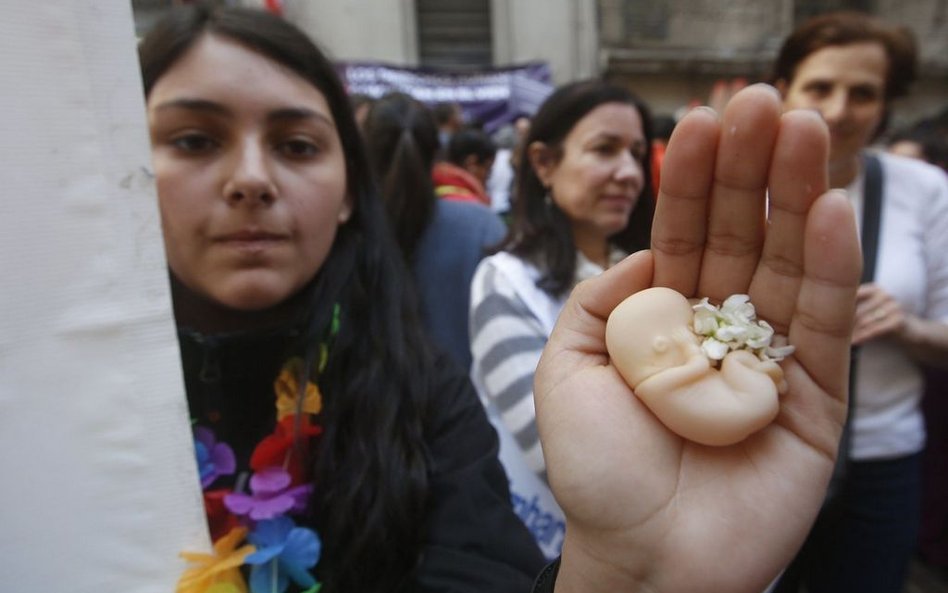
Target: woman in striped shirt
583	201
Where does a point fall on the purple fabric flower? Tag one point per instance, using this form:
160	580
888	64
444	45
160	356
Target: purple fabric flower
271	496
284	552
214	459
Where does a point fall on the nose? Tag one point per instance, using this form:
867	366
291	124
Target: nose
629	170
249	179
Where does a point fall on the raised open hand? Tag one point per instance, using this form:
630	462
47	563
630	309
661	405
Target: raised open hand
647	510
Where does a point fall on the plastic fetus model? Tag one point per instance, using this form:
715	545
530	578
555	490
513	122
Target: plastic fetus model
651	342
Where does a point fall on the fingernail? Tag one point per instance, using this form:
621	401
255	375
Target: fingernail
769	88
706	109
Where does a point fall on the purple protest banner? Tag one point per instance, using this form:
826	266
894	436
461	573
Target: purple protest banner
491	98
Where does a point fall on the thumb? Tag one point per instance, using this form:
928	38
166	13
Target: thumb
579	337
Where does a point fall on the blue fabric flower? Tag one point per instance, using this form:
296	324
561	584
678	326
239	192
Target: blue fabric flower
284	552
214	459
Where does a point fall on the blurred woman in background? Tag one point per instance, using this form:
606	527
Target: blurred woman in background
442	240
850	67
583	202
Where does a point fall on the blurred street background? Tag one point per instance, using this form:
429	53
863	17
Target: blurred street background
672	53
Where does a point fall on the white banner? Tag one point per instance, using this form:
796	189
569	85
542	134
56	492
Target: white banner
100	491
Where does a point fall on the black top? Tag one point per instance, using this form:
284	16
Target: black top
474	541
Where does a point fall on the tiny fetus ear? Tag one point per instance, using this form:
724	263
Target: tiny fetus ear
641	333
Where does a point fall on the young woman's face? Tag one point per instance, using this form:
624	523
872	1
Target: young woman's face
250	171
599	175
846	84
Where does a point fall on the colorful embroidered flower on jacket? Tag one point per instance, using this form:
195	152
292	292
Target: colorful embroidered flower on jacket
214	459
287	390
272	495
279	449
284	552
219	568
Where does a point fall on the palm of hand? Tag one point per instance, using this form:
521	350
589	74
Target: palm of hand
643	504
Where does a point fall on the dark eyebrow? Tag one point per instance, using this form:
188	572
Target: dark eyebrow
608	136
277	115
612	137
298	113
194	105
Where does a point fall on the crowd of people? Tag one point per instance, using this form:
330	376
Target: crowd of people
359	321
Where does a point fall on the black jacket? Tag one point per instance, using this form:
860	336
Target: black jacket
474	541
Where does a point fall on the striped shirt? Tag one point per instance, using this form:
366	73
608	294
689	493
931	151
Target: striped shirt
511	320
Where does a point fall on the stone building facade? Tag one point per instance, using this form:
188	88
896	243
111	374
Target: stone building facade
670	52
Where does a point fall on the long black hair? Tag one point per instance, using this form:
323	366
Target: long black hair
539	231
372	465
401	137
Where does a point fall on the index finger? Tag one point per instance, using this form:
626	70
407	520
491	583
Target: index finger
680	224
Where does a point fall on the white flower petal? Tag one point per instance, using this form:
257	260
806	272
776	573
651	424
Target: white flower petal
734	326
732	333
714	349
705	324
779	353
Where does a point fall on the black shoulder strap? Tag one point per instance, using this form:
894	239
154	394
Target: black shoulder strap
871	208
871	221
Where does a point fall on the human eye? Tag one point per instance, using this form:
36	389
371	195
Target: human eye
195	143
605	148
818	88
298	148
864	94
638	152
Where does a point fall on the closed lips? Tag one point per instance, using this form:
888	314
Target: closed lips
249	237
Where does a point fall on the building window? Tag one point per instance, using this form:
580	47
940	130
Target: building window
454	34
804	9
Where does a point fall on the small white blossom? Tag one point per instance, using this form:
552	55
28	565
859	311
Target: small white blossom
706	322
730	332
779	348
714	349
734	326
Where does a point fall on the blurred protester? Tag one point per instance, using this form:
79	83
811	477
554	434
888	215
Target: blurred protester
361	103
462	176
583	202
501	177
850	66
441	240
923	141
449	118
500	182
